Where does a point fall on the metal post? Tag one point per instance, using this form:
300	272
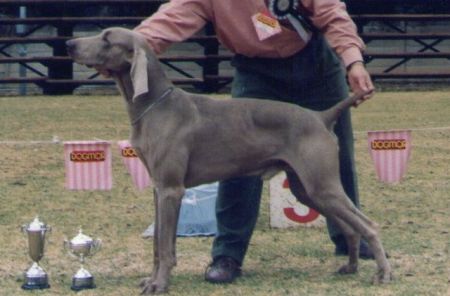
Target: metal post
20	29
62	70
210	67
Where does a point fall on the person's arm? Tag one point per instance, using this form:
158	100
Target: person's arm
175	22
331	18
360	80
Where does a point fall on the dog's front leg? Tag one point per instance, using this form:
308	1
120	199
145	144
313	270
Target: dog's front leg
148	280
168	202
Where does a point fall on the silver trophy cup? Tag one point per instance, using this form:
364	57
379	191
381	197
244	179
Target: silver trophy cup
35	276
82	246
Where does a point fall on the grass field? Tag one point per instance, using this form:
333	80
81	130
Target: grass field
414	215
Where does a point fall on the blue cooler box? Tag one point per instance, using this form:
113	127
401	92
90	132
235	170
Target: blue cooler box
197	213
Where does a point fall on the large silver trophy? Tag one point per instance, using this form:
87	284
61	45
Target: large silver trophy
82	246
35	276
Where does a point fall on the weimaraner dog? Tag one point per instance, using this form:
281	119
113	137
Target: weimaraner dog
188	139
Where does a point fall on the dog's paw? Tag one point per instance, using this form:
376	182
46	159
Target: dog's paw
382	277
152	288
145	281
348	269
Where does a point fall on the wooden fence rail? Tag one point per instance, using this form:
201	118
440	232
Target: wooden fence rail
54	71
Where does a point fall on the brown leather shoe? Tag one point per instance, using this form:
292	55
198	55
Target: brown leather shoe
222	270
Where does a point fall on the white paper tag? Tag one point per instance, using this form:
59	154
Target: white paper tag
266	26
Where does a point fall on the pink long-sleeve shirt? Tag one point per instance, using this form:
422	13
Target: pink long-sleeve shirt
180	19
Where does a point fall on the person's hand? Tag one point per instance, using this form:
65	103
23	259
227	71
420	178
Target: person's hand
103	72
360	81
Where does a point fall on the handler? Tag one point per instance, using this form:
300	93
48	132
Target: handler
272	62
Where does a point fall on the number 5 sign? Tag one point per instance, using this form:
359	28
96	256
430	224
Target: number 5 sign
285	210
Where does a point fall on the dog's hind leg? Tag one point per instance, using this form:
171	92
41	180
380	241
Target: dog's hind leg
370	231
317	166
351	215
351	236
335	205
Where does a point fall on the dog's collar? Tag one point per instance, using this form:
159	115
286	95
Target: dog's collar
149	107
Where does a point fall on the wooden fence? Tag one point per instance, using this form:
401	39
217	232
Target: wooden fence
394	41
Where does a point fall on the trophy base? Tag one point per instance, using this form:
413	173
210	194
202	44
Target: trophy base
35	284
79	284
77	289
35	278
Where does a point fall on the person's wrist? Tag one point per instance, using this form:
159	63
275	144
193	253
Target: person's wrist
355	64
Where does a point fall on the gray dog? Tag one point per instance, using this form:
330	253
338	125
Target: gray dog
187	139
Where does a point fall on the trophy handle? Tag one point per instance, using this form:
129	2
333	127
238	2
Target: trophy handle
66	245
46	231
96	246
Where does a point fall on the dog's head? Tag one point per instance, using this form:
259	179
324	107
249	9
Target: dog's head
114	50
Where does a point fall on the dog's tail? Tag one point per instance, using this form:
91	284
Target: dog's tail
330	115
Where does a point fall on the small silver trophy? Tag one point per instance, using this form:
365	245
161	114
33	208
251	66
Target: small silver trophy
82	246
35	276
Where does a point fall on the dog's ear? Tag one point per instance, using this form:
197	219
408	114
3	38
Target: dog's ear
138	73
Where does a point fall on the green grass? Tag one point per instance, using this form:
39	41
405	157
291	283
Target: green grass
413	215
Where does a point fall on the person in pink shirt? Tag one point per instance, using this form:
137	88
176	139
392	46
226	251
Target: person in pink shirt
272	61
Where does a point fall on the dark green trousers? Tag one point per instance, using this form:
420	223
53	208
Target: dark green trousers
312	78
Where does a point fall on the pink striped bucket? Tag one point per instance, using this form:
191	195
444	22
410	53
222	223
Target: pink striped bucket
390	151
134	165
88	165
